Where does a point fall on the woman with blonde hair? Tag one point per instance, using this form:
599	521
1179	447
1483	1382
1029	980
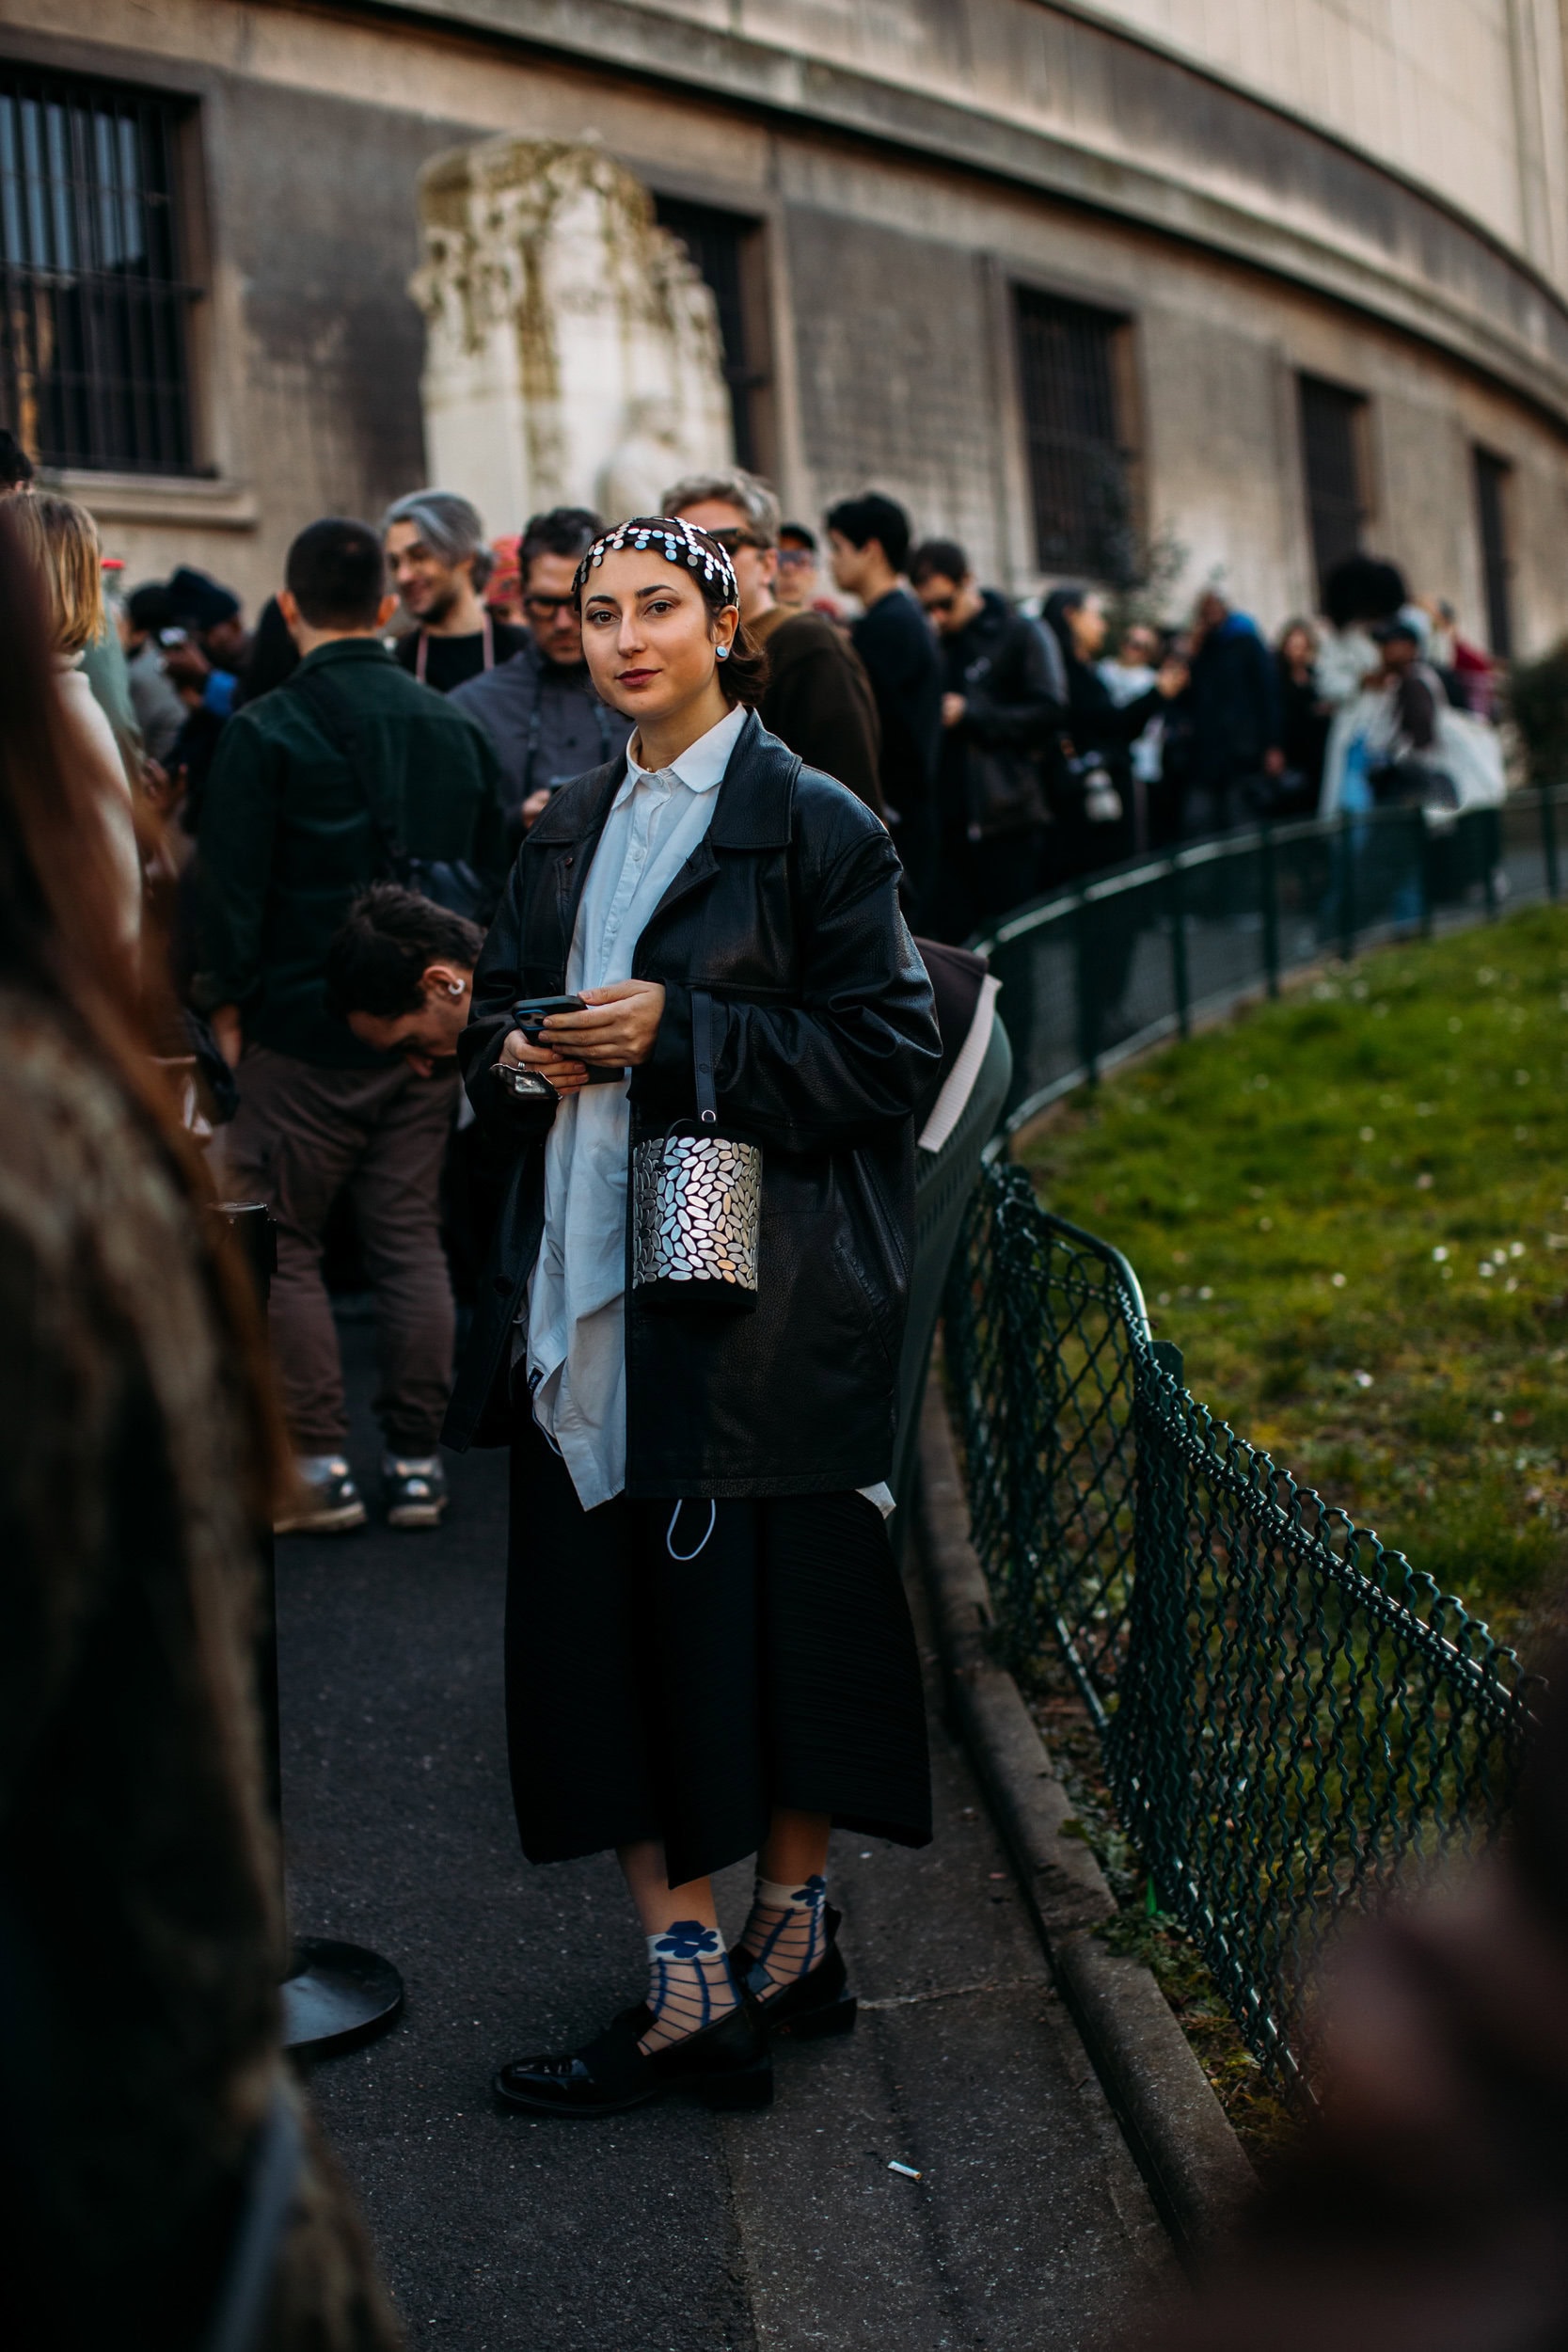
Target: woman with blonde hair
62	540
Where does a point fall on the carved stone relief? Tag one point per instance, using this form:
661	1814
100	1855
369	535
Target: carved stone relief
572	353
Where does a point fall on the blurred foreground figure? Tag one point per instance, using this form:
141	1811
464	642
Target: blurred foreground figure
141	2093
1429	2212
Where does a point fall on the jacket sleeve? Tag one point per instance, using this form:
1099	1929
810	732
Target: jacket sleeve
236	842
1103	727
823	708
1030	714
491	846
498	984
859	1046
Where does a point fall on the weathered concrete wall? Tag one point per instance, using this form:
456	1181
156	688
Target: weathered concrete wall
890	263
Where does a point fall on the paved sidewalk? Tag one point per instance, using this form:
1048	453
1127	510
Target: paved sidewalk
671	2230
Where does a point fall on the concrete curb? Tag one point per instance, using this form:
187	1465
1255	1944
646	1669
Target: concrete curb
1191	2159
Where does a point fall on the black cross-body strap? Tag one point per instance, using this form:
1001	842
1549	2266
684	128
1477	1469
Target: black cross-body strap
702	1054
339	721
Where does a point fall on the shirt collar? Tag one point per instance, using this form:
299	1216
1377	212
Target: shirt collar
700	766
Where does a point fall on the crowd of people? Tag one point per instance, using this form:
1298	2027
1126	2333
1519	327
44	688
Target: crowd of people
409	703
551	903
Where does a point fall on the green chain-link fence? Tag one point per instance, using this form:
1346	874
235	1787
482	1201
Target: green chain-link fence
1291	1714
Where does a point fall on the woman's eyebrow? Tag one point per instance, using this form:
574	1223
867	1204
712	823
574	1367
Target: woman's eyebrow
660	588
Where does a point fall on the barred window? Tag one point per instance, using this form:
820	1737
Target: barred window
1333	435
1080	463
1496	563
726	251
94	368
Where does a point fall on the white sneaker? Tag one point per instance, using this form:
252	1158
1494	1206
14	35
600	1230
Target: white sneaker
326	1500
414	1486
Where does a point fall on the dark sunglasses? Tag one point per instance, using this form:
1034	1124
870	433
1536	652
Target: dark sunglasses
545	608
732	540
939	604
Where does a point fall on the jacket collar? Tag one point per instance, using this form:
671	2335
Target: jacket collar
345	649
754	807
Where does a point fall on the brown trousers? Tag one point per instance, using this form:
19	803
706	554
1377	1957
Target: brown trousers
301	1137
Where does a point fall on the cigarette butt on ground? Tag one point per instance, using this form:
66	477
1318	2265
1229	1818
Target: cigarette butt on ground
907	2170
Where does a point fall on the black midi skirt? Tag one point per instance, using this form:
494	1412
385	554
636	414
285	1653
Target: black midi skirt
683	1698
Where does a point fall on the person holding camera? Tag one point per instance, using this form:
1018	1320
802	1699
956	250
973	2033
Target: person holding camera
690	1332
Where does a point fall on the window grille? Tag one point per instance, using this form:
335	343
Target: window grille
94	368
1497	568
1332	424
720	246
1078	463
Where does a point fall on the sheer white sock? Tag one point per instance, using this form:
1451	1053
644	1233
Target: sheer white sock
690	1983
787	1932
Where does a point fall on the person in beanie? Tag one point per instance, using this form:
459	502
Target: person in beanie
708	1650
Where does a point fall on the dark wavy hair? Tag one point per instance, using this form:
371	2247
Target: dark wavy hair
744	674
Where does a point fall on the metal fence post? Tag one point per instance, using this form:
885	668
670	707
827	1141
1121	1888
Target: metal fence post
1347	887
1271	909
1178	948
1423	868
1088	1004
1548	841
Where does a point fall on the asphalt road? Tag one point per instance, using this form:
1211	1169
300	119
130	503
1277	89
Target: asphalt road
671	2229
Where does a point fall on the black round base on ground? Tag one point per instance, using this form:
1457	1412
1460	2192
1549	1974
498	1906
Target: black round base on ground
337	1996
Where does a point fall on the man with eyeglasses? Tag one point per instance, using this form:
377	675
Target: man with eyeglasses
817	699
538	708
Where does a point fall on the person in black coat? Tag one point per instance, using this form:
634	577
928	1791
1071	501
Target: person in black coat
708	1652
1236	757
1093	802
1092	796
869	539
1003	714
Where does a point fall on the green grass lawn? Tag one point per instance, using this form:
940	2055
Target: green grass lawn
1350	1209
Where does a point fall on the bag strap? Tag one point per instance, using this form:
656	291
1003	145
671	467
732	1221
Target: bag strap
702	1054
336	717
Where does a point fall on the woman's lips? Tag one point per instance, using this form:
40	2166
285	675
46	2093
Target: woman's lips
634	677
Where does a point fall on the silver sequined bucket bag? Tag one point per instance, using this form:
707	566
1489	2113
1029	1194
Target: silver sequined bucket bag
697	1203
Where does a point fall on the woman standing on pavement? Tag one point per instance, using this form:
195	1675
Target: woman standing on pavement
708	1650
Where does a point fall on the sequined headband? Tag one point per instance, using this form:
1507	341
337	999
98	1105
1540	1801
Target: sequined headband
676	540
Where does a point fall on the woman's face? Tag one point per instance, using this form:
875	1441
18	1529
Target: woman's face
1299	649
1087	624
649	639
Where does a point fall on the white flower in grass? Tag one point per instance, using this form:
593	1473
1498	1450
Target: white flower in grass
1441	1253
1362	1380
1486	1269
1338	1281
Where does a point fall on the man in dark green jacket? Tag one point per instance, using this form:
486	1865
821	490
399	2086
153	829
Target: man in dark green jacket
287	839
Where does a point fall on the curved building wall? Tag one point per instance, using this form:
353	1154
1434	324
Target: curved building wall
1245	193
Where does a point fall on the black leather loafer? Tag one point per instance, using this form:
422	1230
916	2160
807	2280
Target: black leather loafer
818	2004
725	2065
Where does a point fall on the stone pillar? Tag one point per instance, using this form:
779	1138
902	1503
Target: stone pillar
572	353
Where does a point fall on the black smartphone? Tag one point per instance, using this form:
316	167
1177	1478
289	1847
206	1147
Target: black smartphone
530	1015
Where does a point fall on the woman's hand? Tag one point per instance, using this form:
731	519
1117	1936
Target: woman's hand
565	1077
618	1029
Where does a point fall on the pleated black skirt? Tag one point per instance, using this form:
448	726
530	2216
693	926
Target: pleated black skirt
651	1696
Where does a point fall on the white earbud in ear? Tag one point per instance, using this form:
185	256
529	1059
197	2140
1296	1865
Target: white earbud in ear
454	988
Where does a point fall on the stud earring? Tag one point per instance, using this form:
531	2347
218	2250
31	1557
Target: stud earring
723	651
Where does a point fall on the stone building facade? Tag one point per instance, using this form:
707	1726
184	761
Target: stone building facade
1257	282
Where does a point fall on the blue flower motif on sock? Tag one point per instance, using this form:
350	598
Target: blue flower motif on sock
813	1894
688	1939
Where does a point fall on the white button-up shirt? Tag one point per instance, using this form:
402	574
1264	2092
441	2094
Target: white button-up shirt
576	1355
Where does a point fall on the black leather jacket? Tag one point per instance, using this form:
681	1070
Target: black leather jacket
826	1037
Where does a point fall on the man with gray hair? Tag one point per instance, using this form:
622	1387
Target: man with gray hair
439	560
817	699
